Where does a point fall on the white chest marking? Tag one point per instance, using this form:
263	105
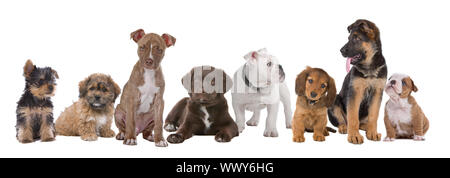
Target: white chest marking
399	112
100	121
147	90
205	119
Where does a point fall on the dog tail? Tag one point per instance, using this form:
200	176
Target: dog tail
333	120
172	121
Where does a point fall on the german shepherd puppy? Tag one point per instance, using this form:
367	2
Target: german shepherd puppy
358	103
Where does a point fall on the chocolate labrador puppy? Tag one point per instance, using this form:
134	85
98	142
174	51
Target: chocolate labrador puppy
205	112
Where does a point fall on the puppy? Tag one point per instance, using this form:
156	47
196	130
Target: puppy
259	84
358	103
91	116
35	109
316	91
403	117
205	112
141	105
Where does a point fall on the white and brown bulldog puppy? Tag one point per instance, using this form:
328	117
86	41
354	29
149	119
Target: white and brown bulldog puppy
259	84
141	105
403	117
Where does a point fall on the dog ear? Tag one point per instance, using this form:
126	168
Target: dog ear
187	80
251	55
300	82
28	68
413	87
365	26
55	73
281	73
169	39
82	87
227	83
115	87
137	35
331	92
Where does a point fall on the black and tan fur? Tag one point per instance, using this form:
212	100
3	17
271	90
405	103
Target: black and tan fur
357	105
35	109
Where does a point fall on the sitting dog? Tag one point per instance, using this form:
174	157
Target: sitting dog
35	109
403	117
91	116
258	84
205	112
316	91
358	103
141	105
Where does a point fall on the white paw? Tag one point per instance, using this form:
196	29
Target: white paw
130	142
389	139
419	138
271	133
241	128
120	136
170	128
288	125
252	122
161	143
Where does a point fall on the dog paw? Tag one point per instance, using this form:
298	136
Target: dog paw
342	129
241	128
355	138
25	140
419	138
161	143
130	141
89	137
252	122
271	133
288	125
389	139
175	138
299	139
108	134
222	137
374	136
150	138
120	136
48	139
318	138
170	128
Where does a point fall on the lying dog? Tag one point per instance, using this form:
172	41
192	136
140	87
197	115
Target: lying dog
141	105
258	84
91	116
205	112
35	109
316	91
403	117
358	103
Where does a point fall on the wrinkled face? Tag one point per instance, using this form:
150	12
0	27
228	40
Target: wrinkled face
262	69
151	50
400	86
205	84
316	85
362	43
99	91
40	81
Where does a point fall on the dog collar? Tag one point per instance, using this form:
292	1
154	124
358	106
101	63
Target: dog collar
247	82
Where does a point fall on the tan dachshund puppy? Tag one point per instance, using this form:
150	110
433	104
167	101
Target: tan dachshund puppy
316	91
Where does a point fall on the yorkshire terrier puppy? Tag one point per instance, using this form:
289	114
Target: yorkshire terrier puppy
34	109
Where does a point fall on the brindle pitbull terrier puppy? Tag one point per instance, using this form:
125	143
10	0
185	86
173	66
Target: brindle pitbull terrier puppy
141	104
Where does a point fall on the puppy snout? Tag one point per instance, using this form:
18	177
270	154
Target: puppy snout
97	97
313	94
393	82
344	50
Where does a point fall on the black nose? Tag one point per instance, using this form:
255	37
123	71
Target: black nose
50	87
344	49
313	94
393	82
97	97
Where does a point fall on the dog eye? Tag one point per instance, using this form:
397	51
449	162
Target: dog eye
269	64
323	86
142	48
92	88
310	81
403	83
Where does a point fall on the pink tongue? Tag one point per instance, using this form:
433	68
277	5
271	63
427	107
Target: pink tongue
347	65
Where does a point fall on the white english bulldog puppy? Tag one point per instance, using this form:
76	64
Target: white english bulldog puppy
259	84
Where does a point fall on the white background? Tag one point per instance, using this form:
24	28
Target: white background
78	38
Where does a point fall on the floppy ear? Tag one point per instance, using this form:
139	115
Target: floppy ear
251	55
300	82
281	73
115	87
28	68
82	87
414	88
169	39
55	73
187	81
137	35
331	92
227	83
